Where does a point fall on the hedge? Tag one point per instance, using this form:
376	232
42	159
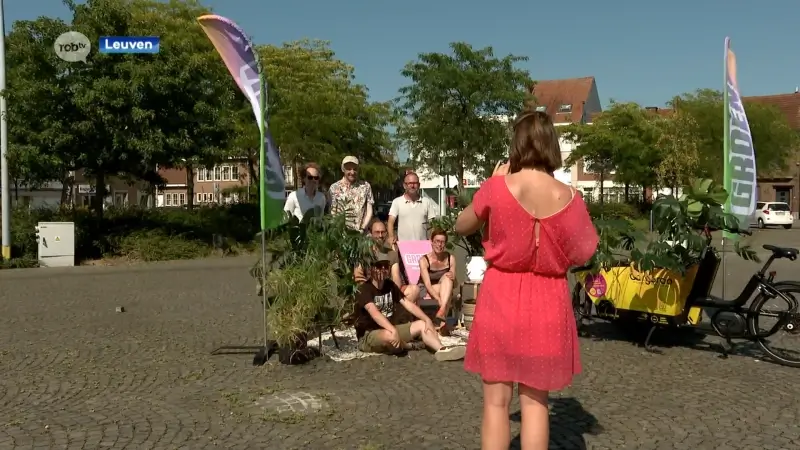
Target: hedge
155	234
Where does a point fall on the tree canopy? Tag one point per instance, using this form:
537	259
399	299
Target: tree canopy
639	147
457	107
773	137
125	115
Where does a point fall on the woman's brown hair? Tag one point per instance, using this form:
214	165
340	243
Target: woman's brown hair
306	166
438	232
534	144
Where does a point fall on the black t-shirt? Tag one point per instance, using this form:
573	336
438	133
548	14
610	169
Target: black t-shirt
387	299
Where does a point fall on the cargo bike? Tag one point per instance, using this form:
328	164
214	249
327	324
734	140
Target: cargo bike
666	299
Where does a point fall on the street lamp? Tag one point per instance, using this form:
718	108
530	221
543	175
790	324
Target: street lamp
5	200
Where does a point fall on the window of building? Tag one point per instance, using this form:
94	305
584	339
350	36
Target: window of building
167	200
182	198
199	197
226	173
235	173
217	173
209	175
565	108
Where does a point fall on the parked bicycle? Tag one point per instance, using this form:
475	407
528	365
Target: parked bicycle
666	299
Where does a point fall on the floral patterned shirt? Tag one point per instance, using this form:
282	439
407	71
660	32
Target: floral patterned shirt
351	199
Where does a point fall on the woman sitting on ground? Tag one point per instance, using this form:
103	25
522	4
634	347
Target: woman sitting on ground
437	272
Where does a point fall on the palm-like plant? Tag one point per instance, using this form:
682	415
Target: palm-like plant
471	244
682	231
310	274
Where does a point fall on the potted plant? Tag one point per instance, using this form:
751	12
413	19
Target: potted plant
681	232
309	282
472	245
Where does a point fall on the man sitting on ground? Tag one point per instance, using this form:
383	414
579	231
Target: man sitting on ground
379	305
377	230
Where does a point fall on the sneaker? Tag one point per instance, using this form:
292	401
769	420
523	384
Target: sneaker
450	353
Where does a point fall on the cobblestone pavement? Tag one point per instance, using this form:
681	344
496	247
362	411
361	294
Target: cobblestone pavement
76	374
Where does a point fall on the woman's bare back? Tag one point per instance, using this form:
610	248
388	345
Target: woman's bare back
538	193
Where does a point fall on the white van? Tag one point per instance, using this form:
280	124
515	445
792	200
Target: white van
772	214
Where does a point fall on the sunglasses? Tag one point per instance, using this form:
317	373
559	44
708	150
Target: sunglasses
311	177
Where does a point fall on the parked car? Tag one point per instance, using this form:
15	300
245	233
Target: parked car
773	213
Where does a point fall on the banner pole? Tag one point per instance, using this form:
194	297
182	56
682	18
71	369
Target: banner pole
725	145
262	199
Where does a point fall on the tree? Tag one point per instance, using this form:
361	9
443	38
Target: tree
37	111
678	146
773	137
595	148
117	115
317	113
619	142
457	107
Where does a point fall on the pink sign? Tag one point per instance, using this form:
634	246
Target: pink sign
411	252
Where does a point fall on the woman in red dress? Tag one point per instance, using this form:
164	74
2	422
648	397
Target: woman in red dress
524	329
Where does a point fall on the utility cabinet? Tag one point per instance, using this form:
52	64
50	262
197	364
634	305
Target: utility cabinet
56	244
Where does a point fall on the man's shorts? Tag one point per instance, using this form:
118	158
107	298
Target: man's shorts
371	343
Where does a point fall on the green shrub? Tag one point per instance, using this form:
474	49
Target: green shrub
19	263
146	234
157	246
614	211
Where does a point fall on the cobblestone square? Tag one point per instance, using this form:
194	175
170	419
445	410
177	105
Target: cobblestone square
77	374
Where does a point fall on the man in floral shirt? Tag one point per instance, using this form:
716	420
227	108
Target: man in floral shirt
352	196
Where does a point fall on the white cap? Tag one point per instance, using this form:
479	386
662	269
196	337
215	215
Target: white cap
349	159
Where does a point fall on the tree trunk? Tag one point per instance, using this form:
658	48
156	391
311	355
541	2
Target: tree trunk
98	201
602	188
460	180
251	169
295	179
65	184
16	190
627	192
190	186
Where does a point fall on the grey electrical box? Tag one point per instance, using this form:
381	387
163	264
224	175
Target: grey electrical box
56	244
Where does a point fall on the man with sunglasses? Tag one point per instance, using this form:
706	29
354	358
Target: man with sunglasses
378	318
413	212
299	202
378	233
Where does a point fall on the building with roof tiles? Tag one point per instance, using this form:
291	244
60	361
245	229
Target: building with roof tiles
567	101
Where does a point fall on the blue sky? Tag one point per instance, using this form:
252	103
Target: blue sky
638	50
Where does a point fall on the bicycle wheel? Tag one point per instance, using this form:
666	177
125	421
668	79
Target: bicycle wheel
579	306
775	323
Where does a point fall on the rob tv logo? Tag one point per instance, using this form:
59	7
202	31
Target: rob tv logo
129	44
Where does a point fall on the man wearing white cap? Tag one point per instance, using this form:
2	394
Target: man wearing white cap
352	196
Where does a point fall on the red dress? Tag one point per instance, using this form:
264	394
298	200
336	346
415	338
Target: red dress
524	329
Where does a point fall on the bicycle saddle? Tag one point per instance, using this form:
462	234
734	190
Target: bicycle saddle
782	252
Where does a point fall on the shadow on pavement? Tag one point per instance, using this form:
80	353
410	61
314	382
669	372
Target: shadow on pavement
696	338
569	421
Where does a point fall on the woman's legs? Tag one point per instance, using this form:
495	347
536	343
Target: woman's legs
496	428
535	418
444	290
445	294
